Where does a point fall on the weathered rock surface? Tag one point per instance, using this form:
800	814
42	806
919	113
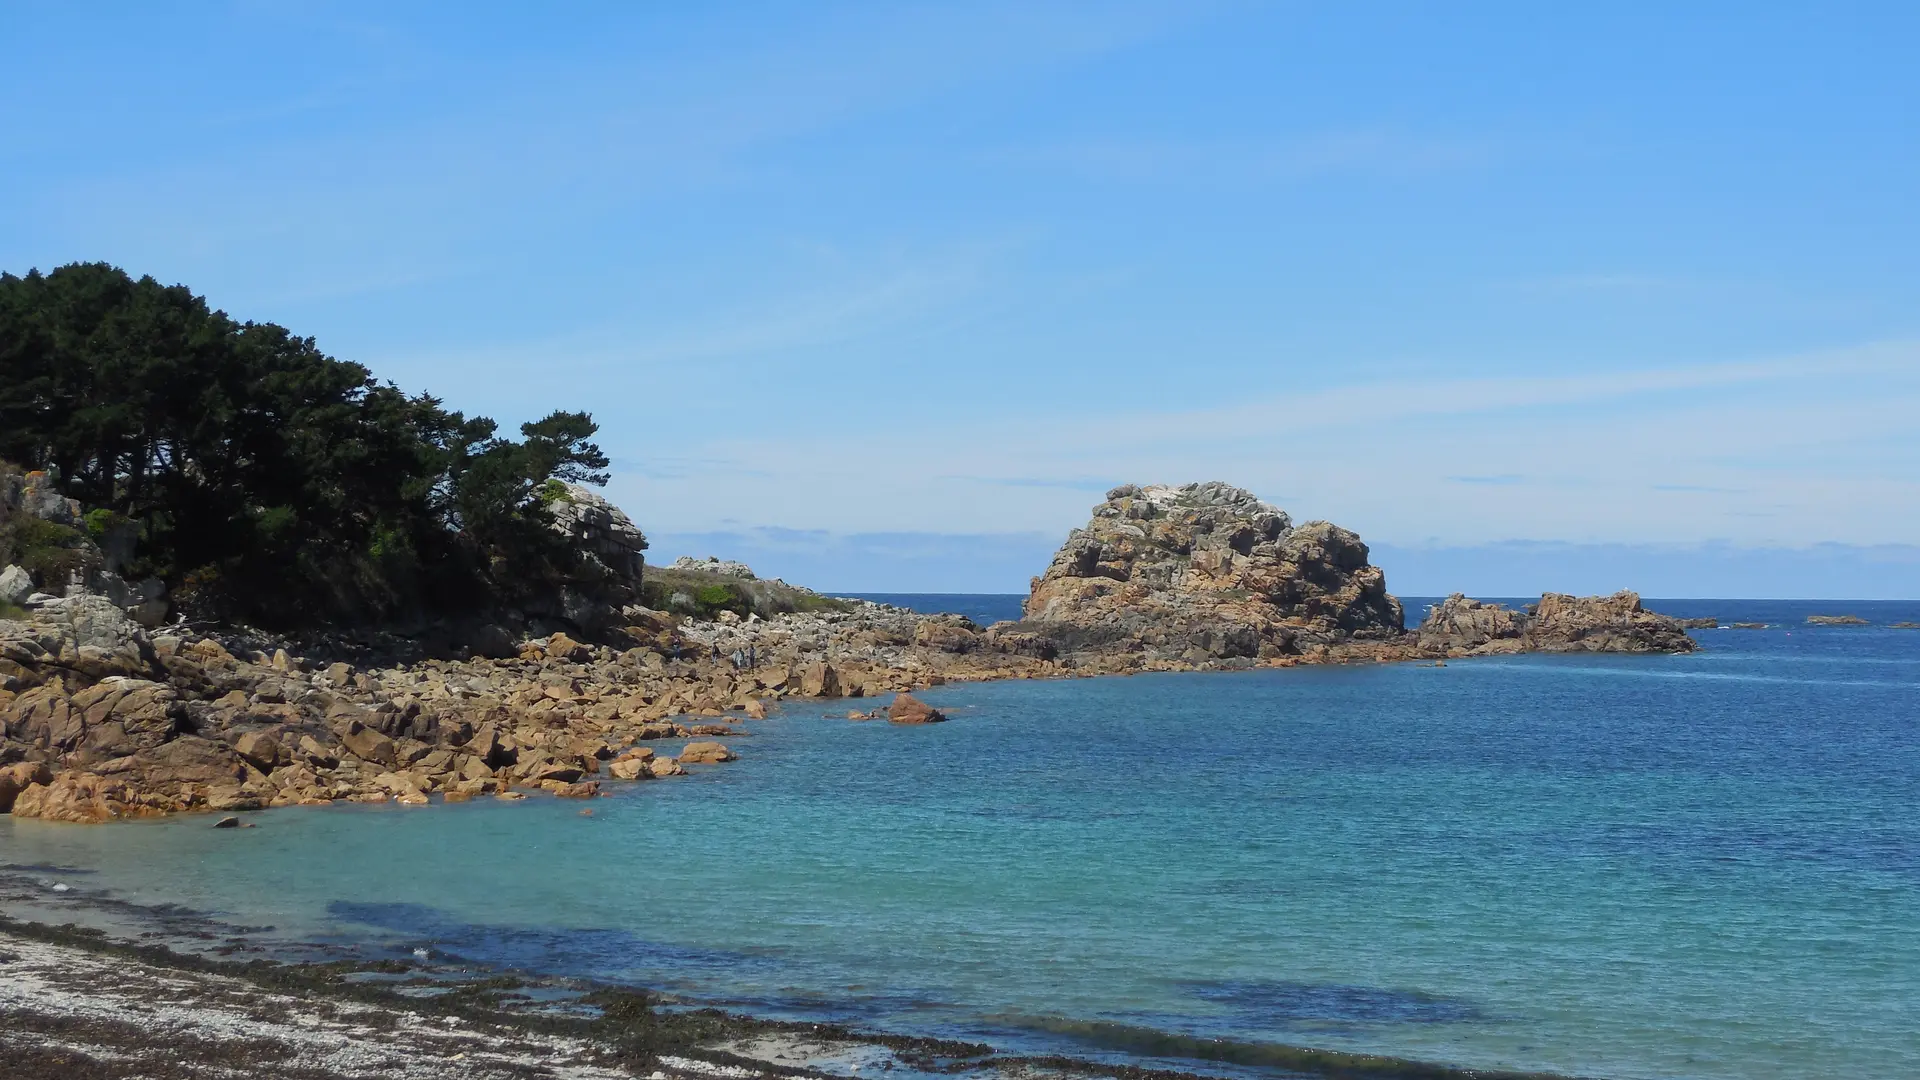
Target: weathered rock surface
18	777
1458	626
1207	572
15	586
907	709
602	531
714	565
100	721
1836	620
706	753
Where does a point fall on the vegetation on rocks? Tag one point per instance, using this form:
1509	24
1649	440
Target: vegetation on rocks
259	477
705	594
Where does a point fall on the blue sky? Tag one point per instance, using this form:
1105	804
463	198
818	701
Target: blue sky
884	296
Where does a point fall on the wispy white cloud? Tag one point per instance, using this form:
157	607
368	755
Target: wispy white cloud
1244	161
1681	453
1068	483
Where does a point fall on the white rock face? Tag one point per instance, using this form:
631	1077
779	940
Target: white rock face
713	565
15	586
602	530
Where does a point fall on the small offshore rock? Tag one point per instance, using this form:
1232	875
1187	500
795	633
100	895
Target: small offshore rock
907	709
1462	626
706	753
1836	620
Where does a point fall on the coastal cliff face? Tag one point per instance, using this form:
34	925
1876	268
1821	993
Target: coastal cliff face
1458	626
1208	572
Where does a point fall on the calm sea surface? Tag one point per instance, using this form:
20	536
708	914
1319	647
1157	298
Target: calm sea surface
1697	866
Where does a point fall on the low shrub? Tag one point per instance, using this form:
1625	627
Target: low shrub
48	550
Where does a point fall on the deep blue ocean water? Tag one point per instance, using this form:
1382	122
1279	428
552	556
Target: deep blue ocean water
983	608
1692	866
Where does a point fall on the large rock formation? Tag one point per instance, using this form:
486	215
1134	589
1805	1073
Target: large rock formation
612	562
1203	573
1458	626
602	532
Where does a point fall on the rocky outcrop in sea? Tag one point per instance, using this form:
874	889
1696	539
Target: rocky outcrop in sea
1458	626
1204	573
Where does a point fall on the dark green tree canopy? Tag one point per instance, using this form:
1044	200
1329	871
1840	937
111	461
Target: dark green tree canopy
263	475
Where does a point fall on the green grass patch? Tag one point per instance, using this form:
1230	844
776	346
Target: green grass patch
703	595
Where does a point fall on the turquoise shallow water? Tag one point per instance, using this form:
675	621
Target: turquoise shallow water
1699	866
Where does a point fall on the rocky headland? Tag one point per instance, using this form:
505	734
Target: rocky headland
108	712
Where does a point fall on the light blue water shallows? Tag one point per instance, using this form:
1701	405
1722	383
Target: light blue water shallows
1698	866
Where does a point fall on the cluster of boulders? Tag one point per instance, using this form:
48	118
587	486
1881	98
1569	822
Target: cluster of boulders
1459	626
102	720
713	564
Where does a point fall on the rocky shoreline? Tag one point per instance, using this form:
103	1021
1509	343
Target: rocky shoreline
104	719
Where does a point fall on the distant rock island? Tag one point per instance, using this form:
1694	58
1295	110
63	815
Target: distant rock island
1458	626
1207	572
1209	575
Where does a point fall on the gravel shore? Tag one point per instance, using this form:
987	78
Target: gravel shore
71	1012
77	1004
